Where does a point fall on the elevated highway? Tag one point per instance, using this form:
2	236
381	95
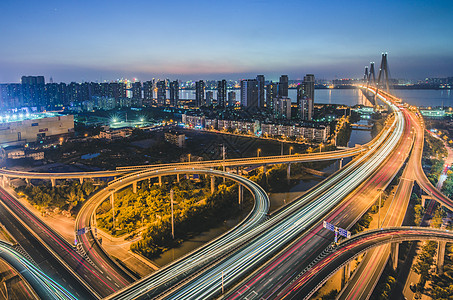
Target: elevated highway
348	208
367	274
336	256
265	160
268	238
43	286
191	262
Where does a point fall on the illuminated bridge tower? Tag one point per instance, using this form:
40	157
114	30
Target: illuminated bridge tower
371	75
383	78
365	76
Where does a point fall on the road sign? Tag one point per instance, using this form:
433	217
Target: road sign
82	230
337	230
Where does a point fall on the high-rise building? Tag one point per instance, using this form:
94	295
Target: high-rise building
261	93
249	93
137	90
231	98
174	93
283	86
199	93
33	90
271	94
221	92
282	108
306	97
161	92
148	88
209	97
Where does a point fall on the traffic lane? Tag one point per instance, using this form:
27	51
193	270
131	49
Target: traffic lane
382	176
44	260
100	283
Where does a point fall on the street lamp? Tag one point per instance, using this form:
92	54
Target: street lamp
172	218
258	152
189	156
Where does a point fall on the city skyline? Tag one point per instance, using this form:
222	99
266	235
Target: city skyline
99	41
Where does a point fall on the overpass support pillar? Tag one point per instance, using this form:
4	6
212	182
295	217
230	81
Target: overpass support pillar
441	257
53	181
240	193
394	250
160	180
345	277
27	181
264	169
81	180
212	184
340	165
423	201
288	171
134	187
177	177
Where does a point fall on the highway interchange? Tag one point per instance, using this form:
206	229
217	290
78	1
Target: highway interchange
267	257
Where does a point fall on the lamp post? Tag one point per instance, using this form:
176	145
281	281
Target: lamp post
189	156
172	217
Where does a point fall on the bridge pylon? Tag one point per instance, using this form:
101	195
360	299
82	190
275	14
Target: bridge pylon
384	77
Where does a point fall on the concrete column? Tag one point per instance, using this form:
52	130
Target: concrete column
160	180
264	169
240	193
394	252
3	181
27	181
423	200
177	177
340	163
53	180
212	184
288	172
441	257
81	180
345	275
134	187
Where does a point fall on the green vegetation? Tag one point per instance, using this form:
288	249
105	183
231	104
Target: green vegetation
195	210
344	133
433	152
419	210
426	258
385	284
424	262
362	224
68	196
441	285
434	147
447	187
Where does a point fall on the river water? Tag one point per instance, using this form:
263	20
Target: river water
352	97
329	96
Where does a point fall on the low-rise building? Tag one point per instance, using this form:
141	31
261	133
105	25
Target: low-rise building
115	134
175	138
32	130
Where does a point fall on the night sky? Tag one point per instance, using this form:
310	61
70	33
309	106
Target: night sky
106	40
